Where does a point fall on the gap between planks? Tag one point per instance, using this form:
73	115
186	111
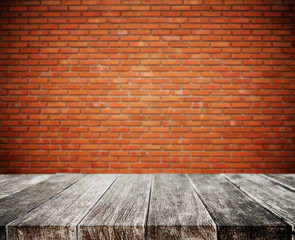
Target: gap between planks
150	196
77	233
290	222
148	210
192	185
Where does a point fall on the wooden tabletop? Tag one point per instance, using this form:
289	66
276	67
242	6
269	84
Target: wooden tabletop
146	206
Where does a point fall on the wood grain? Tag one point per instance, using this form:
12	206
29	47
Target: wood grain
173	206
20	183
4	178
236	215
122	211
288	180
22	202
176	212
58	217
270	194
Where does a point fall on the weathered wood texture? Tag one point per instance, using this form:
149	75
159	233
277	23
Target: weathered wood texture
152	207
4	178
22	202
20	183
271	195
176	212
236	215
288	180
121	213
58	218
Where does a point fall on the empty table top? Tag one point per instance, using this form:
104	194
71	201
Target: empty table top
147	206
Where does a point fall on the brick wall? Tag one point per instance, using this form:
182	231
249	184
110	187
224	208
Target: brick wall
201	86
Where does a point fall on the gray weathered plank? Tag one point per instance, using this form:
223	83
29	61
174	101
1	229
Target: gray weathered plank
22	202
236	215
270	194
20	183
4	178
176	211
287	180
58	217
122	211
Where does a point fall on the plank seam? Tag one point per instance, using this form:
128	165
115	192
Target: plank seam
148	209
6	227
195	190
21	189
77	237
10	180
279	182
274	213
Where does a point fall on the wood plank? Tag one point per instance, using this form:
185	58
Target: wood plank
122	211
20	183
4	178
270	194
176	211
288	180
236	215
22	202
58	217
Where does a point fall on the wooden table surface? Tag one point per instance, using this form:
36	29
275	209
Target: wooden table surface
147	206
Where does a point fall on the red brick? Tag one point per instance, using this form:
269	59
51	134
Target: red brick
144	82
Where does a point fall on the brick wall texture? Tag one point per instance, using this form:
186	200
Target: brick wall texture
142	86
